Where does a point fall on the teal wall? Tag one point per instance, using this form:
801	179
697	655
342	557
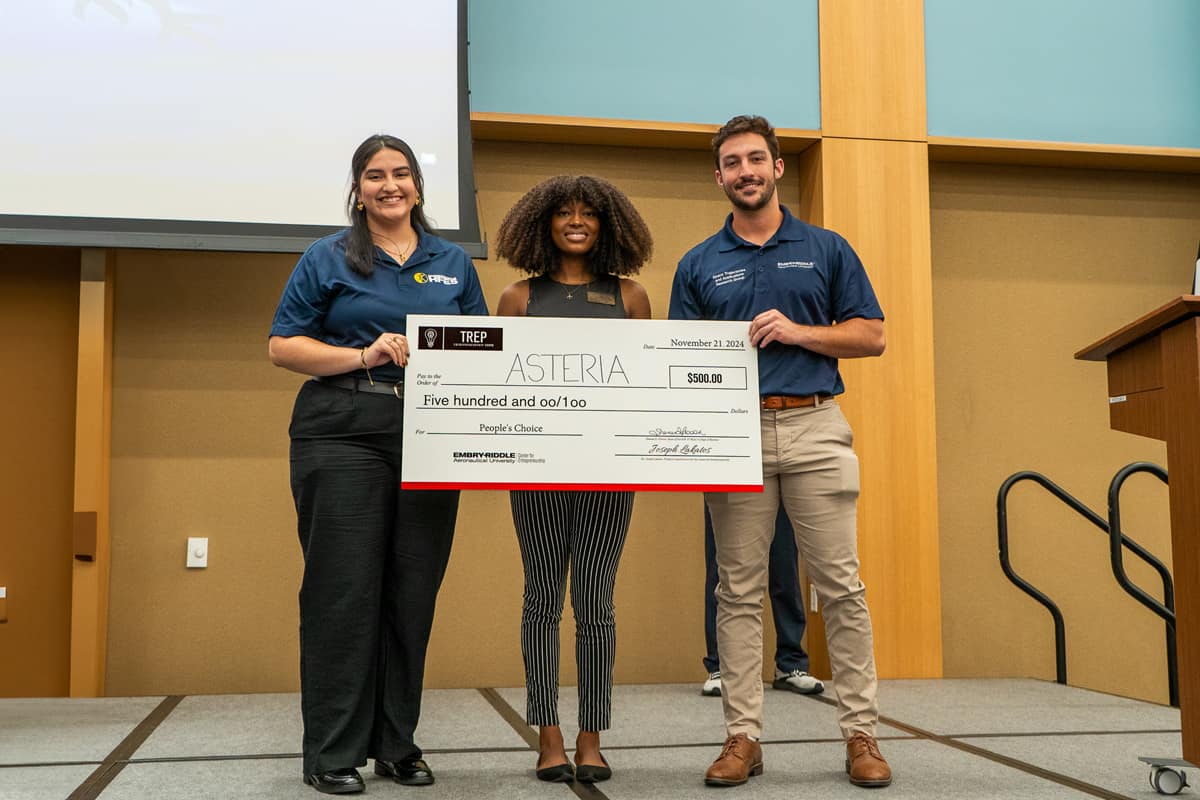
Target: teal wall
1123	72
1099	71
700	61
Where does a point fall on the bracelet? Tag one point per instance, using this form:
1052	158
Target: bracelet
362	357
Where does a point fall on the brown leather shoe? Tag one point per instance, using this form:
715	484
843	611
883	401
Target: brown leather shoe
864	763
740	758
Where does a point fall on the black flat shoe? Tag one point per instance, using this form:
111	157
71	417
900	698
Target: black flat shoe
588	773
407	771
559	773
336	781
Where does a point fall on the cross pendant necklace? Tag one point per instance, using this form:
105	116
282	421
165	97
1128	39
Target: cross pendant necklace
569	288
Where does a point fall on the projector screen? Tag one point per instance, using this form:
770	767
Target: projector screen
223	124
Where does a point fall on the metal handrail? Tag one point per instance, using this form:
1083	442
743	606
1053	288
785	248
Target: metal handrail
1114	533
1165	609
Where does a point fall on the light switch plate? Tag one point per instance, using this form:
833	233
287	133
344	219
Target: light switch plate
197	552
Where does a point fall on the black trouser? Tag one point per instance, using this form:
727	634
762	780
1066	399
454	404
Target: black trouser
374	557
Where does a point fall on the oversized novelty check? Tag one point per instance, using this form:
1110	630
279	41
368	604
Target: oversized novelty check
550	403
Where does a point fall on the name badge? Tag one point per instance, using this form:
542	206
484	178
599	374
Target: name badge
604	298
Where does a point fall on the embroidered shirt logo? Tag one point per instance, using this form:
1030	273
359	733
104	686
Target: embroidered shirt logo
729	276
795	265
425	277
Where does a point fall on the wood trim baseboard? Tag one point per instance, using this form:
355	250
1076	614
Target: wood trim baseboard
546	129
1064	154
493	126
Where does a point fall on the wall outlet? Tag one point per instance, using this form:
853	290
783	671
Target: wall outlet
197	552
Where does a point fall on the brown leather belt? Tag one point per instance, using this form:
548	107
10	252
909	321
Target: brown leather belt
779	402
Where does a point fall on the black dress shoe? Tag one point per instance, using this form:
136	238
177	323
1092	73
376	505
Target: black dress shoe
336	781
559	773
588	773
407	771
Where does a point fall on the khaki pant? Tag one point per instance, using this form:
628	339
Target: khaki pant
809	463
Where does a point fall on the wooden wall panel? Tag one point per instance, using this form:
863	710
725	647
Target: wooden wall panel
873	69
39	297
199	448
1030	265
93	433
876	195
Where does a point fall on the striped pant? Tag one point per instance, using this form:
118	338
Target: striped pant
585	533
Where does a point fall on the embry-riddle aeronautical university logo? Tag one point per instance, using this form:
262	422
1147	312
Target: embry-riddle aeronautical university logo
425	277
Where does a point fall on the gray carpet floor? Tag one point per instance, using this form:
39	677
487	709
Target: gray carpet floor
1012	739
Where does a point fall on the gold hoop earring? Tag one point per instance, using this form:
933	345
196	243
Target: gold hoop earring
418	202
359	205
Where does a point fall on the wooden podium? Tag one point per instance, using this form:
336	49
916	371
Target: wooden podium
1154	390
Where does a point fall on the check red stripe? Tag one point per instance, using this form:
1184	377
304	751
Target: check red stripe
588	487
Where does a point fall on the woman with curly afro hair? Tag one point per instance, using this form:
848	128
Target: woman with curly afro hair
577	237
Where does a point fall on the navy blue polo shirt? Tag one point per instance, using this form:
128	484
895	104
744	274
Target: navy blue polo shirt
810	274
327	300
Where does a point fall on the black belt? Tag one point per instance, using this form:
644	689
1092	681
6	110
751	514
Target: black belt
364	385
779	402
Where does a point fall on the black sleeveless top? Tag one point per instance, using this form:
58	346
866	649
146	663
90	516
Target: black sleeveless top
600	298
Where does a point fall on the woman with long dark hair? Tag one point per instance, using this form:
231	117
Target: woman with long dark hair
374	555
